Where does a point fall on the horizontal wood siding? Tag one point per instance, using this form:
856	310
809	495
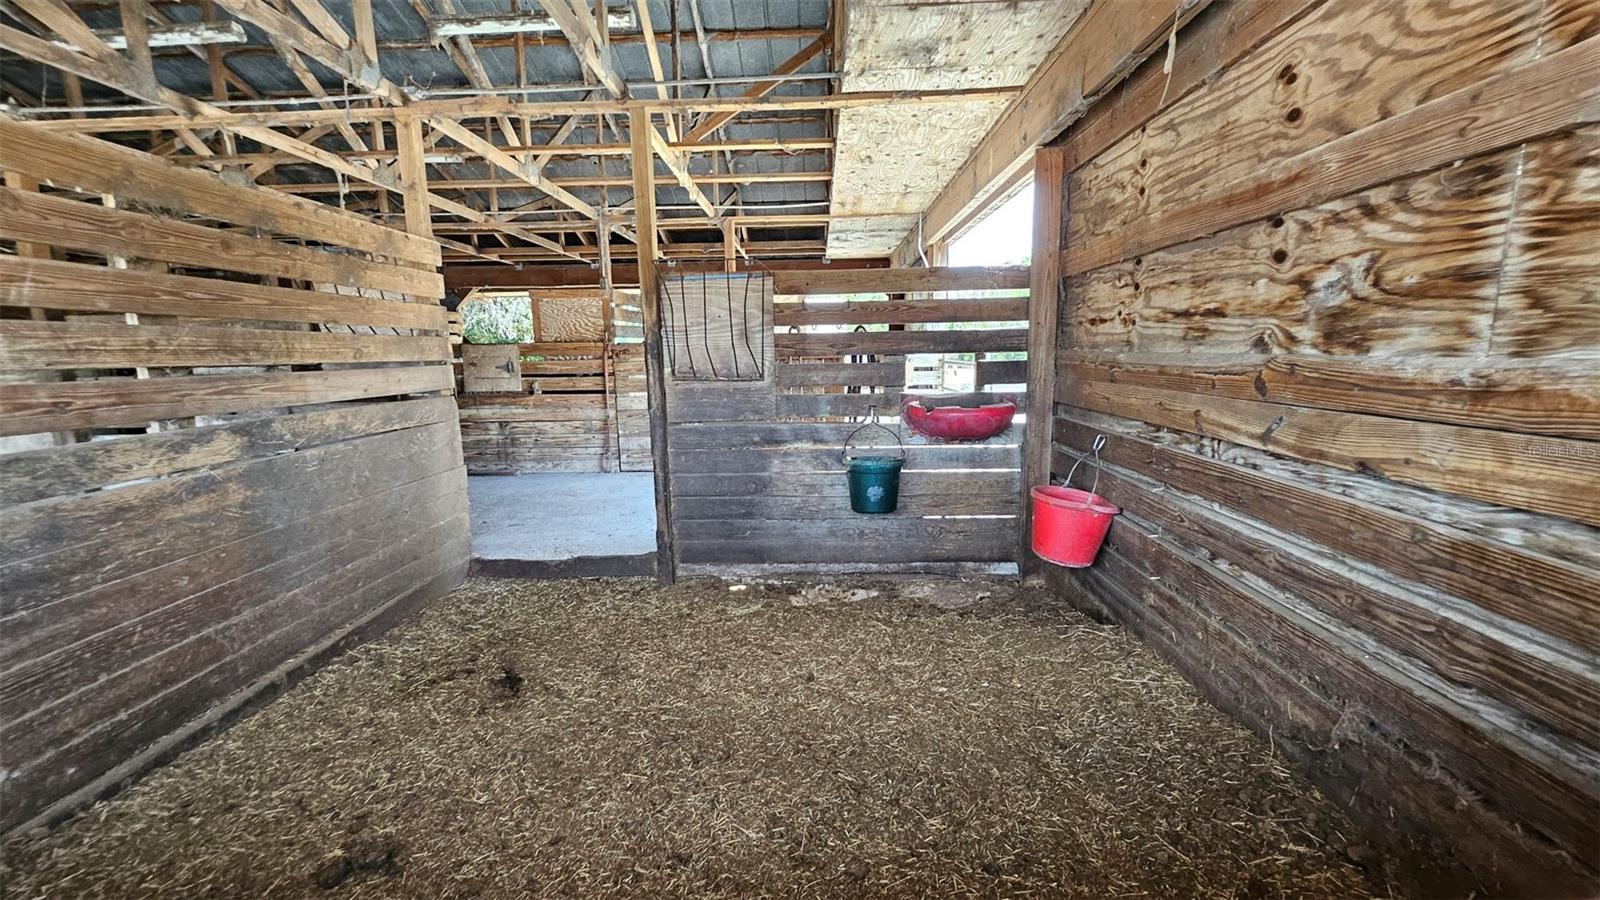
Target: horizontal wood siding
1335	305
224	452
756	473
577	405
565	419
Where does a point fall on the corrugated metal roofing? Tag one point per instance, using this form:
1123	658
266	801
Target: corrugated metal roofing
432	68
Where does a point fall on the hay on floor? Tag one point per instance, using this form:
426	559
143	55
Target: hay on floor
585	738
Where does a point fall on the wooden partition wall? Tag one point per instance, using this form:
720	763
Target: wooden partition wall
1335	303
756	477
231	469
573	400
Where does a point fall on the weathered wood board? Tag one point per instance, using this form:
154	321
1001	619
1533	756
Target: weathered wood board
286	469
757	477
491	368
1343	355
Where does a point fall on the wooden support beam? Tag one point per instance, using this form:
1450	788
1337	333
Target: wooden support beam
1107	42
465	56
325	24
137	32
546	152
119	73
653	55
679	167
366	33
640	130
58	17
1044	304
762	88
510	165
346	59
582	30
489	106
414	177
483	184
308	80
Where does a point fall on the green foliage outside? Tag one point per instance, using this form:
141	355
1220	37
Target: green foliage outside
497	320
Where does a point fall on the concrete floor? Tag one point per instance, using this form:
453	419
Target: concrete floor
561	515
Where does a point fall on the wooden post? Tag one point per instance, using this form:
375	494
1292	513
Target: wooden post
730	247
414	175
644	205
1044	301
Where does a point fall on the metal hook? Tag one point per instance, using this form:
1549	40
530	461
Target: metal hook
872	416
1099	441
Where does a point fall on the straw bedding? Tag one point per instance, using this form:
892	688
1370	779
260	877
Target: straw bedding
608	737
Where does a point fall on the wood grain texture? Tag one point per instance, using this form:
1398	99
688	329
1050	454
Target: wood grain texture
86	654
570	319
898	281
1336	70
1217	36
1408	267
58	345
1103	46
491	368
1557	92
1550	397
1333	309
1533	786
50	219
884	373
1471	656
902	312
1292	689
56	472
156	582
41	284
1044	310
98	167
824	495
986	458
1521	583
111	402
1551	474
71	746
57	550
741	435
899	343
1548	303
859	539
812	405
717	327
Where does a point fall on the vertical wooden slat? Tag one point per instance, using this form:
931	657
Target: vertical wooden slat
644	196
1049	189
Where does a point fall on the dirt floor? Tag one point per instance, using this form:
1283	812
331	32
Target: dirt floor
590	738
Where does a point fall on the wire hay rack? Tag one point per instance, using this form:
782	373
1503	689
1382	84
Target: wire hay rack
716	327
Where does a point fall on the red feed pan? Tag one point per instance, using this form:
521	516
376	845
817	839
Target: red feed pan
960	423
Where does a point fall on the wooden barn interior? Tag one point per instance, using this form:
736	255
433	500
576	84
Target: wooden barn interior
314	582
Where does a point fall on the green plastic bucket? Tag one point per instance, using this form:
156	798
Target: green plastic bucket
874	480
874	483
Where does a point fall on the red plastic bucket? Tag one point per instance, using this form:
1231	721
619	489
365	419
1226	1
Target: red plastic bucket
1069	525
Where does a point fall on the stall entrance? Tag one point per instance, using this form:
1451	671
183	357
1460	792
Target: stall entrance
555	432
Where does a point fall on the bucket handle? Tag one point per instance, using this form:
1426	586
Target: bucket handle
872	422
1099	441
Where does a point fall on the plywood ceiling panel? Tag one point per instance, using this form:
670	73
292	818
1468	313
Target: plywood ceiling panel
892	160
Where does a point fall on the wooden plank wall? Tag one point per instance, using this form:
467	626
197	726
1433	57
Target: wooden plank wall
580	409
230	469
1335	302
756	477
